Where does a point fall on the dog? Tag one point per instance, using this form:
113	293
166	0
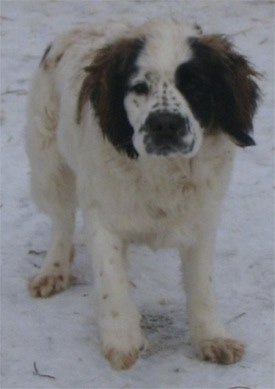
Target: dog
138	126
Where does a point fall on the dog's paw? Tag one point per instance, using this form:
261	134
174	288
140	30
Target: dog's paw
47	283
221	350
124	351
120	360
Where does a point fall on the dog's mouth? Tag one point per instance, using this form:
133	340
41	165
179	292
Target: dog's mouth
179	147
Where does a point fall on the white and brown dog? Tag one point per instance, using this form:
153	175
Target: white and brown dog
138	126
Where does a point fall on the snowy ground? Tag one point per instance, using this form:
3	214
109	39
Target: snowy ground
59	334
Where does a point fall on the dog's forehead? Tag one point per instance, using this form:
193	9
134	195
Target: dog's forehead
166	48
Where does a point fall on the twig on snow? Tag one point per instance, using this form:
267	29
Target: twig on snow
18	92
242	31
233	319
35	252
35	265
36	372
2	17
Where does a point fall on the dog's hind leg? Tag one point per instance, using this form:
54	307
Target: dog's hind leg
53	187
55	274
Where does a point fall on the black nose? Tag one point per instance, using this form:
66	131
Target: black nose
165	122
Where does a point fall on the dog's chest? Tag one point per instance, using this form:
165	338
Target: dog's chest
157	201
157	205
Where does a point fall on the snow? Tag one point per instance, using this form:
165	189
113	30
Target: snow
59	334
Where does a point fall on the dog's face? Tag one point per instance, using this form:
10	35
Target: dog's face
160	93
159	113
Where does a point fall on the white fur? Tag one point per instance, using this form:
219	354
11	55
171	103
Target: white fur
159	201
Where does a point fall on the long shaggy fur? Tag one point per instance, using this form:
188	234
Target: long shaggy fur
138	126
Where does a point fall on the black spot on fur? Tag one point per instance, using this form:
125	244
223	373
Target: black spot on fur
217	82
194	84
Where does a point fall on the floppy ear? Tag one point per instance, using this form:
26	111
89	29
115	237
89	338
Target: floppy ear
106	85
236	94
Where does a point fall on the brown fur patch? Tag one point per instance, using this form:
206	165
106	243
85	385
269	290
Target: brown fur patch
109	59
43	282
239	77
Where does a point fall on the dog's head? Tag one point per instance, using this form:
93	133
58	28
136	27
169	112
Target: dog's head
159	93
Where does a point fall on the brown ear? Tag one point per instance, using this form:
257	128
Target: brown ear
106	85
236	93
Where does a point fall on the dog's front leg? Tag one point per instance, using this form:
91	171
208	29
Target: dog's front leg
208	336
118	318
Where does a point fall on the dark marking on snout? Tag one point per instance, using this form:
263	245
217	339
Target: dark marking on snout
165	133
167	123
164	100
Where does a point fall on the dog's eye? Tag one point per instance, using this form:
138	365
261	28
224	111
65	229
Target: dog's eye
195	88
140	89
193	83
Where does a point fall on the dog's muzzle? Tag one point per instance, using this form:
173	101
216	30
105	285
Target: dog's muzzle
167	133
